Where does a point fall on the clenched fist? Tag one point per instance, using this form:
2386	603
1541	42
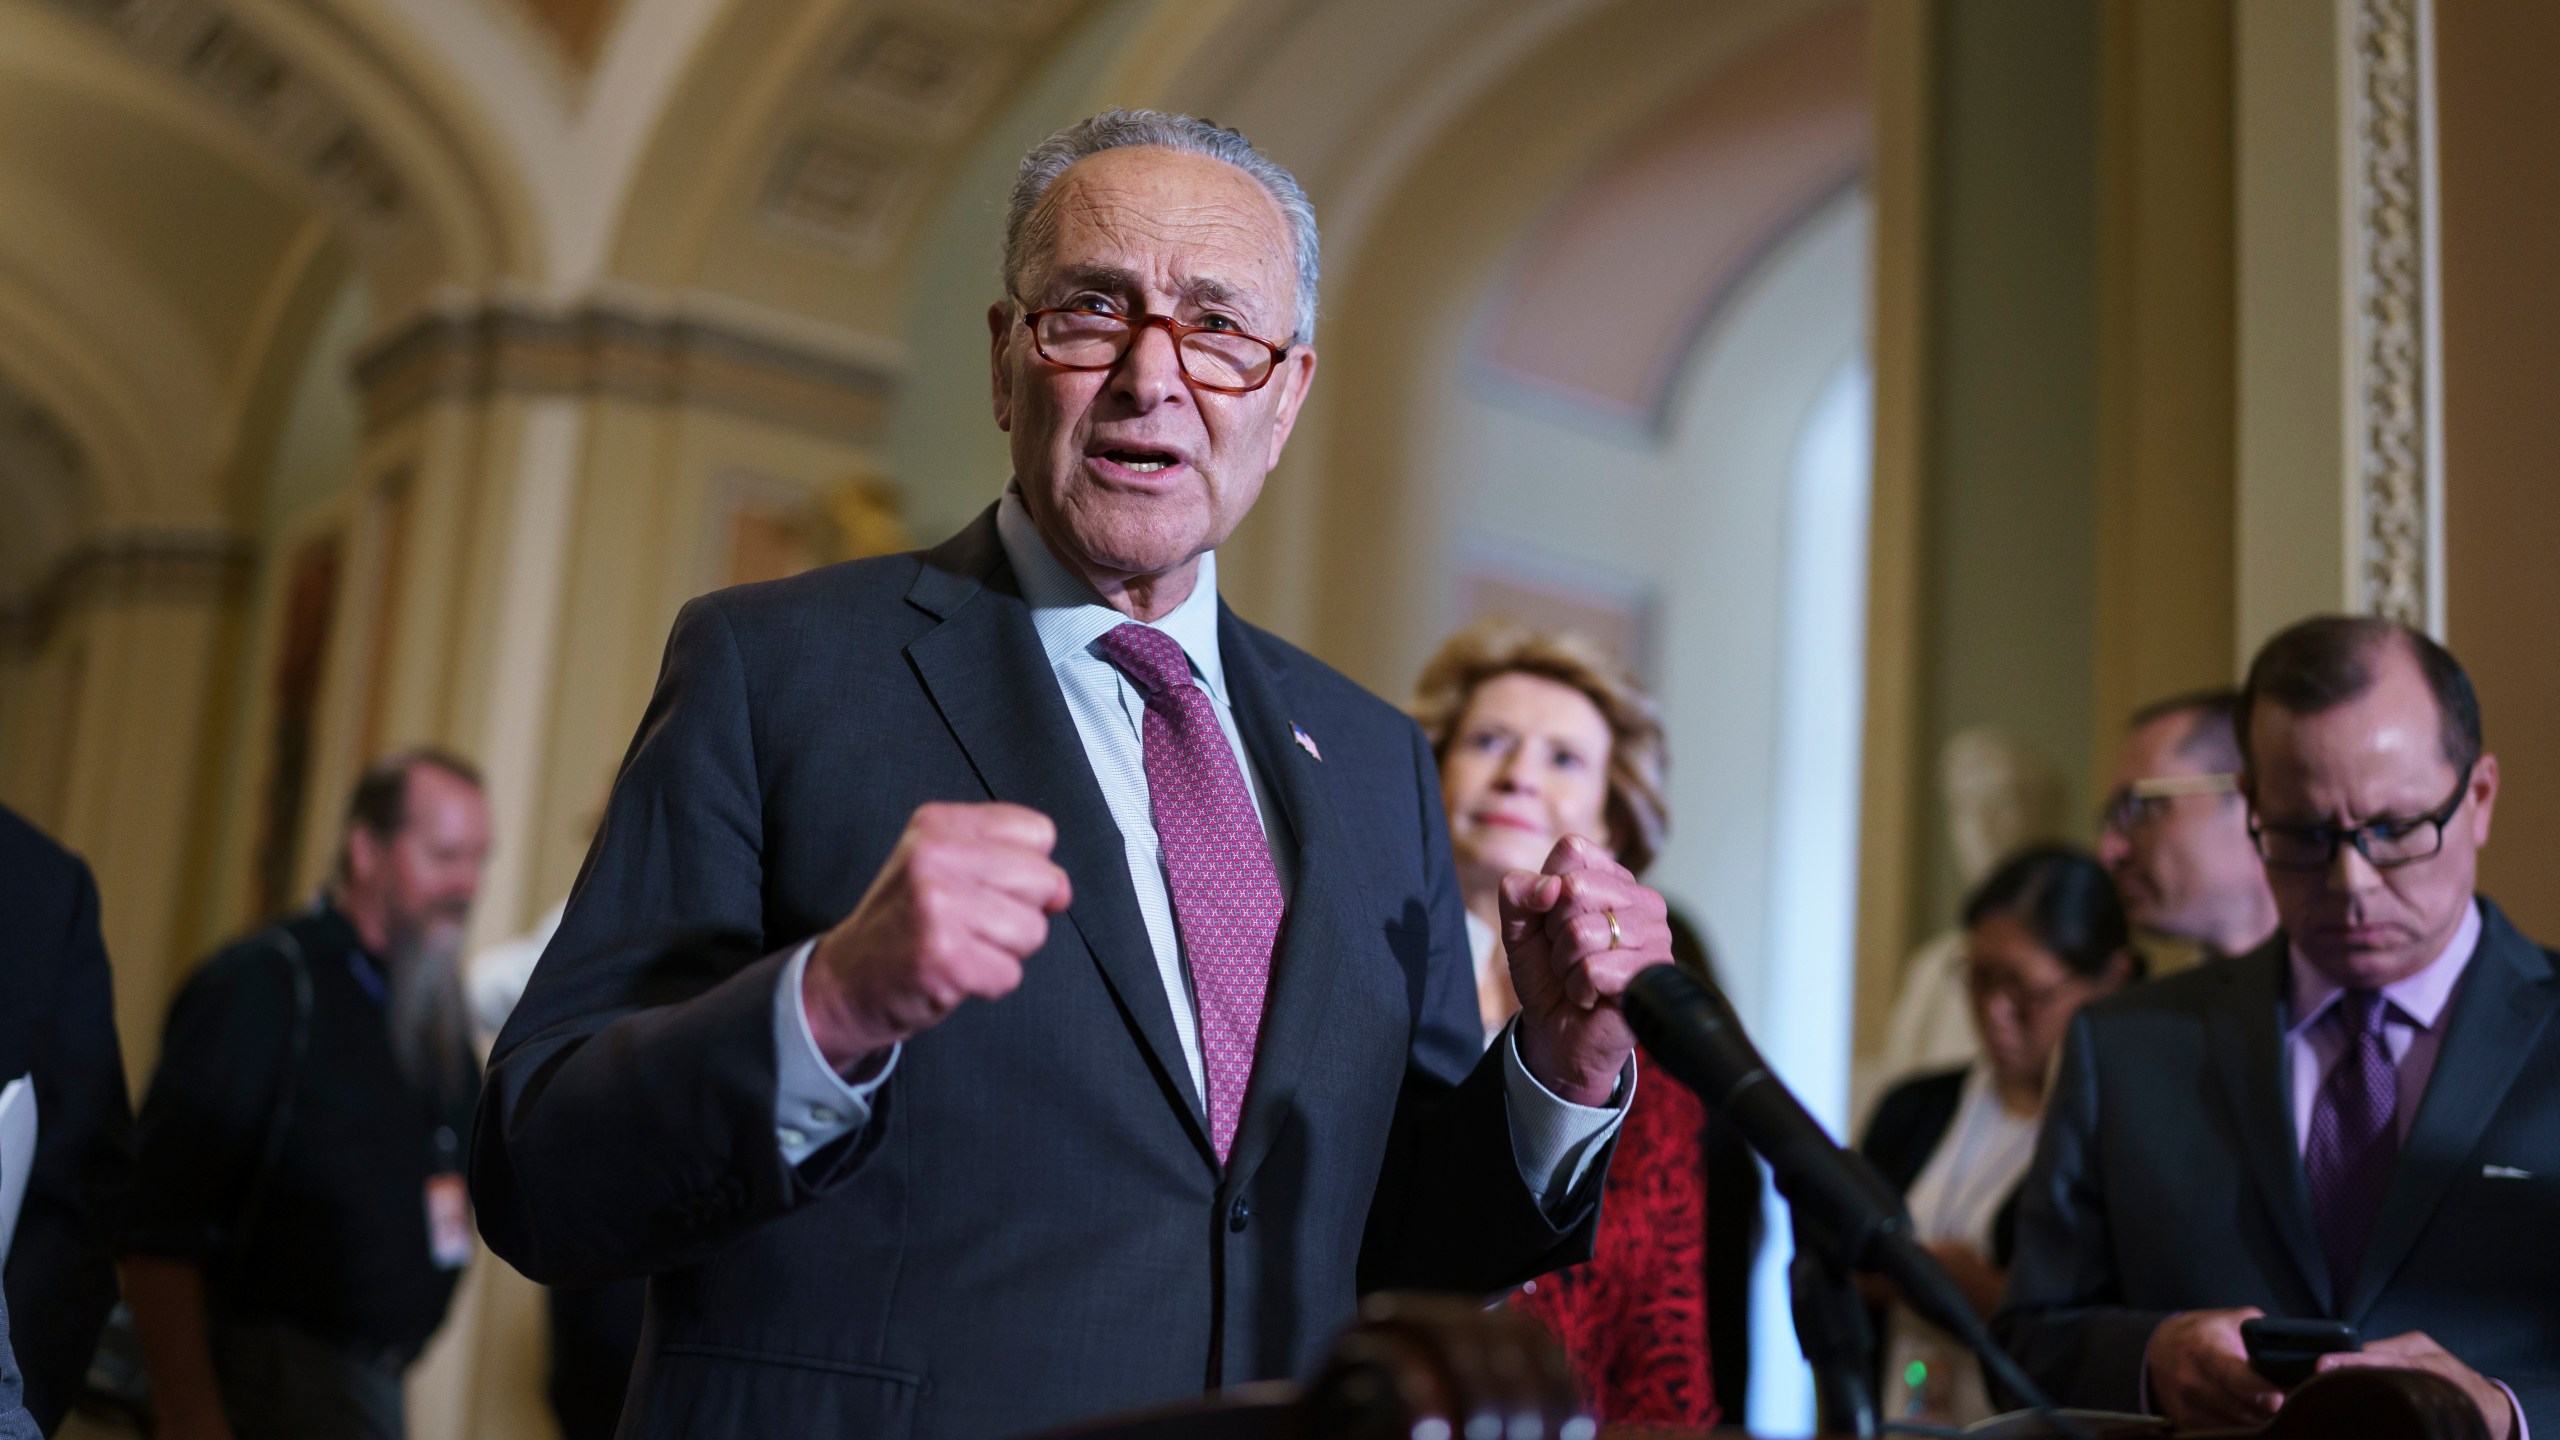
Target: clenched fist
1569	968
964	899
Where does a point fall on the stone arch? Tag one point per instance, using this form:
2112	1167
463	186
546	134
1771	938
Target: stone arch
796	168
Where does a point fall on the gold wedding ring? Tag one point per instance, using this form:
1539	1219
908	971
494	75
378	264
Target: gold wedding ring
1614	937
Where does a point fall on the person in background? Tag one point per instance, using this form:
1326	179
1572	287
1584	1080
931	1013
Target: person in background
2357	1121
299	1212
2000	797
58	1029
2044	935
2175	832
1539	737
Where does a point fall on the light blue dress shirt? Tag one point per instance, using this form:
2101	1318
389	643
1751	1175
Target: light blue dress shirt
1553	1140
15	1422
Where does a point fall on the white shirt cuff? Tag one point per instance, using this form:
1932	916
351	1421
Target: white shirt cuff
813	1106
2522	1431
1554	1140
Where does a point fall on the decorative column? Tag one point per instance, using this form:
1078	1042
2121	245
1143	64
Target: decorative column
551	483
2397	399
2340	410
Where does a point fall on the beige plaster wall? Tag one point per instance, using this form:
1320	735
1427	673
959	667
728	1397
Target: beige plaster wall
2167	403
2500	211
2057	522
2293	525
2010	452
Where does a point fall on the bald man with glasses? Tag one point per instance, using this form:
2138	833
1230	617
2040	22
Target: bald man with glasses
2357	1121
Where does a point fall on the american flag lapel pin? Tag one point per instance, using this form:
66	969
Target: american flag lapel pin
1305	741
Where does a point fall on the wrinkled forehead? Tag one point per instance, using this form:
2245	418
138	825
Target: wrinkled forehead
1166	220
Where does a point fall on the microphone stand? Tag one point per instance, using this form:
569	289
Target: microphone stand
1833	1330
1846	1218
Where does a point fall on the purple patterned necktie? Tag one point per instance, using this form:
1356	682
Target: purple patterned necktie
2354	1143
1226	897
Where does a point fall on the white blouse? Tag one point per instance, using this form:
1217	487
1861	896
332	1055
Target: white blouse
1969	1177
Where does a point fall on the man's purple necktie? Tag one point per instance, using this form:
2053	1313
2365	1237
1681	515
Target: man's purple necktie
1226	898
2354	1143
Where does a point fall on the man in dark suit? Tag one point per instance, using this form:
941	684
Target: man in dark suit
58	1025
1008	987
2360	1120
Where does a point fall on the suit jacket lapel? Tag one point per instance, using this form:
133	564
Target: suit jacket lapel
1314	935
2247	1039
991	680
2506	997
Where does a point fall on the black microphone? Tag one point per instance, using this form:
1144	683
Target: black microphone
1689	1029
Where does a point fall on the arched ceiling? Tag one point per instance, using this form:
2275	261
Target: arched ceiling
798	165
1605	303
184	172
142	253
189	183
43	484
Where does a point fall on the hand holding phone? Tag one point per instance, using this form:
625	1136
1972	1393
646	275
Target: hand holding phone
2288	1351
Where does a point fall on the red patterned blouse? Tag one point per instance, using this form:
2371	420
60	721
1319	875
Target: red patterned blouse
1634	1320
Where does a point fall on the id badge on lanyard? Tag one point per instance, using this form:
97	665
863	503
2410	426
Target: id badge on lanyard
448	1205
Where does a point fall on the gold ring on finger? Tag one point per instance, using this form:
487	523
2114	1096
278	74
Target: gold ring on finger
1615	937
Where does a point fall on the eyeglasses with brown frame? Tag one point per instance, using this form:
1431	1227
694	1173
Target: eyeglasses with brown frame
1229	362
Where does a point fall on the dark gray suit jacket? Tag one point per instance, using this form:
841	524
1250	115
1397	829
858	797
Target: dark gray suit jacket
1033	1227
58	1023
2168	1179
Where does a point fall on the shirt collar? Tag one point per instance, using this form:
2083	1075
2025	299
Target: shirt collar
1070	617
2420	998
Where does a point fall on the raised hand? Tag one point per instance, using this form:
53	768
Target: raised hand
1575	933
965	898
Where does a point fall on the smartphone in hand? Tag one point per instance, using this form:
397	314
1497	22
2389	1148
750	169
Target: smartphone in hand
2287	1351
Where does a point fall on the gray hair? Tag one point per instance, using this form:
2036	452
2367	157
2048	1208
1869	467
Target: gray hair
1113	129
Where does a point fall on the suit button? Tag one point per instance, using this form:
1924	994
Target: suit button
1239	1215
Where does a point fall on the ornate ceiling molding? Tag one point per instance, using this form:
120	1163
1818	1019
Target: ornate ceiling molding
890	111
45	488
598	349
296	116
2397	482
180	566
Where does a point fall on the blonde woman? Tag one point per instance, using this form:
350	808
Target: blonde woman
1538	737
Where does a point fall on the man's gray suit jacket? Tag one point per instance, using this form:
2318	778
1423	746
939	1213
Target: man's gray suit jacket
1033	1227
2168	1179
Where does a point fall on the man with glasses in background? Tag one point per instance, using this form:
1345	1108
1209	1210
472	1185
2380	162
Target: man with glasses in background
2175	833
2358	1121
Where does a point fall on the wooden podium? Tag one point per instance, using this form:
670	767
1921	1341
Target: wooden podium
1428	1367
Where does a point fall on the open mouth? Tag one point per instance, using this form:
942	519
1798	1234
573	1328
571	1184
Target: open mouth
1139	459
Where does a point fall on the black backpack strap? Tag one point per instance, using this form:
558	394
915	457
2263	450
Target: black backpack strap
280	1118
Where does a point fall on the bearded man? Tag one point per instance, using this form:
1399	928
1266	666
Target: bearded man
299	1212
